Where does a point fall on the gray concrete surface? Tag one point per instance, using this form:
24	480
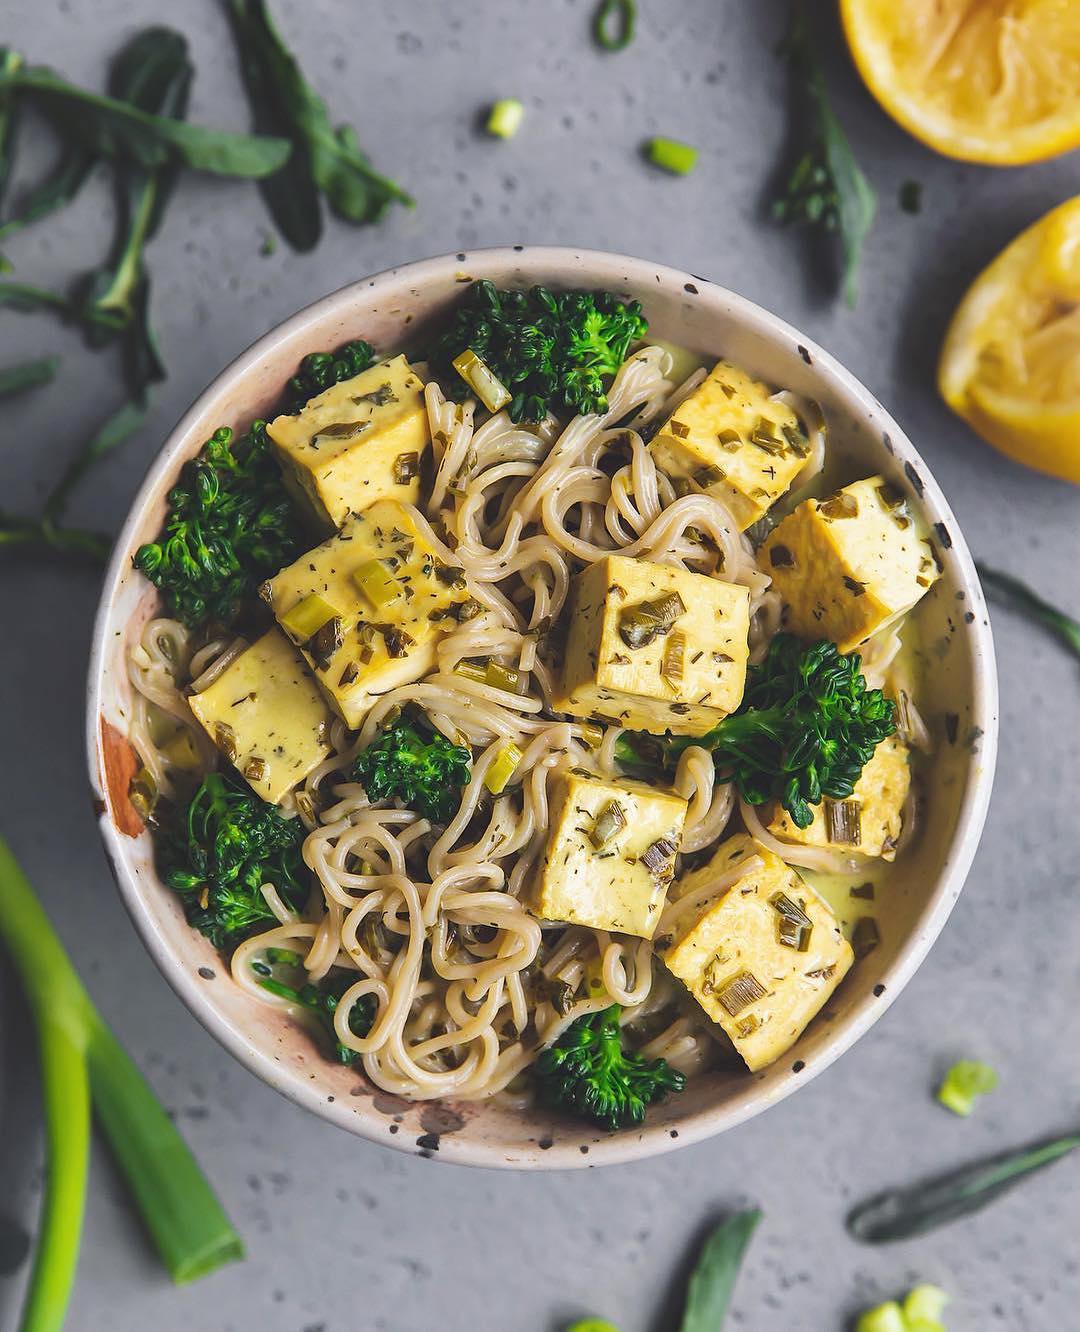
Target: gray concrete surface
346	1236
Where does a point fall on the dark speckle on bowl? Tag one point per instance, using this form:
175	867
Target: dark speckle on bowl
798	1065
915	479
943	535
207	973
879	990
428	1142
805	355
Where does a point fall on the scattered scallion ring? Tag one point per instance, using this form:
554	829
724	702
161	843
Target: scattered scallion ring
671	155
505	118
613	24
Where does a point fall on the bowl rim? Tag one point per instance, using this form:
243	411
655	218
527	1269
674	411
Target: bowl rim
752	1099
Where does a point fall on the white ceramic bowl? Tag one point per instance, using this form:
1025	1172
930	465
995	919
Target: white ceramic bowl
960	700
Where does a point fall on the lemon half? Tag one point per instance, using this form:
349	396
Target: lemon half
994	81
1010	365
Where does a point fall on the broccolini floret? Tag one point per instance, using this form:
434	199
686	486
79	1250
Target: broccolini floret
322	1000
554	352
220	851
230	524
589	1074
806	728
321	370
426	774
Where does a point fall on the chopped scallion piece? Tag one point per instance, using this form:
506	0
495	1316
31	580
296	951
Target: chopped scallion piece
843	820
741	991
378	584
406	467
609	823
965	1082
674	662
671	155
793	926
594	978
503	768
925	1303
307	617
502	677
472	670
613	24
505	118
885	1318
866	936
592	733
479	376
143	792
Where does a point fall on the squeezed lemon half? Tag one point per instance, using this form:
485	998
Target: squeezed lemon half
1010	365
994	81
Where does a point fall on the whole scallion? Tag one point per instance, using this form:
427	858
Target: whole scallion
84	1065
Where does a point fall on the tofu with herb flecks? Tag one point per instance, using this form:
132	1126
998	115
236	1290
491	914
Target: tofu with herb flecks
870	820
654	648
849	565
357	442
368	607
267	716
762	955
610	854
733	440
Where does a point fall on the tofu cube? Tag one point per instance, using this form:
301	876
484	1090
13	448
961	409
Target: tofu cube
267	716
763	992
870	820
684	677
731	439
368	607
607	867
849	565
359	441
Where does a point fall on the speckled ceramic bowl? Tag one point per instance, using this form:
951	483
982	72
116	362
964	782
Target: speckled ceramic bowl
961	703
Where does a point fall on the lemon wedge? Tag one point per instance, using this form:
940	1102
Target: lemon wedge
1010	365
994	81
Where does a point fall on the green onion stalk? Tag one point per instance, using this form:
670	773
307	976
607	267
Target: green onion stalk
84	1065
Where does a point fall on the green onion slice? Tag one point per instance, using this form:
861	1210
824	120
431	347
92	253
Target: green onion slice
671	155
965	1082
505	118
483	381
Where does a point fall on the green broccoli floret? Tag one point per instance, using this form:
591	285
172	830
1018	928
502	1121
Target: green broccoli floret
221	849
589	1074
426	774
806	728
322	999
553	352
320	370
231	524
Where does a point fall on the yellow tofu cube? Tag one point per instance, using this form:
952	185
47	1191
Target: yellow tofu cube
849	565
359	441
762	955
684	677
869	821
368	607
267	716
610	854
731	439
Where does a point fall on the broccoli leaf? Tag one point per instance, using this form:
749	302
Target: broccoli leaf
59	187
427	775
552	352
713	1278
222	848
323	999
323	159
806	728
28	375
826	188
107	127
589	1074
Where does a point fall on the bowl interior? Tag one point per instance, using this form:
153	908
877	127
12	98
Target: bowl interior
958	699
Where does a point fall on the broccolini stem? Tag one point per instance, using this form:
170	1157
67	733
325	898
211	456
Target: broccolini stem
1011	592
